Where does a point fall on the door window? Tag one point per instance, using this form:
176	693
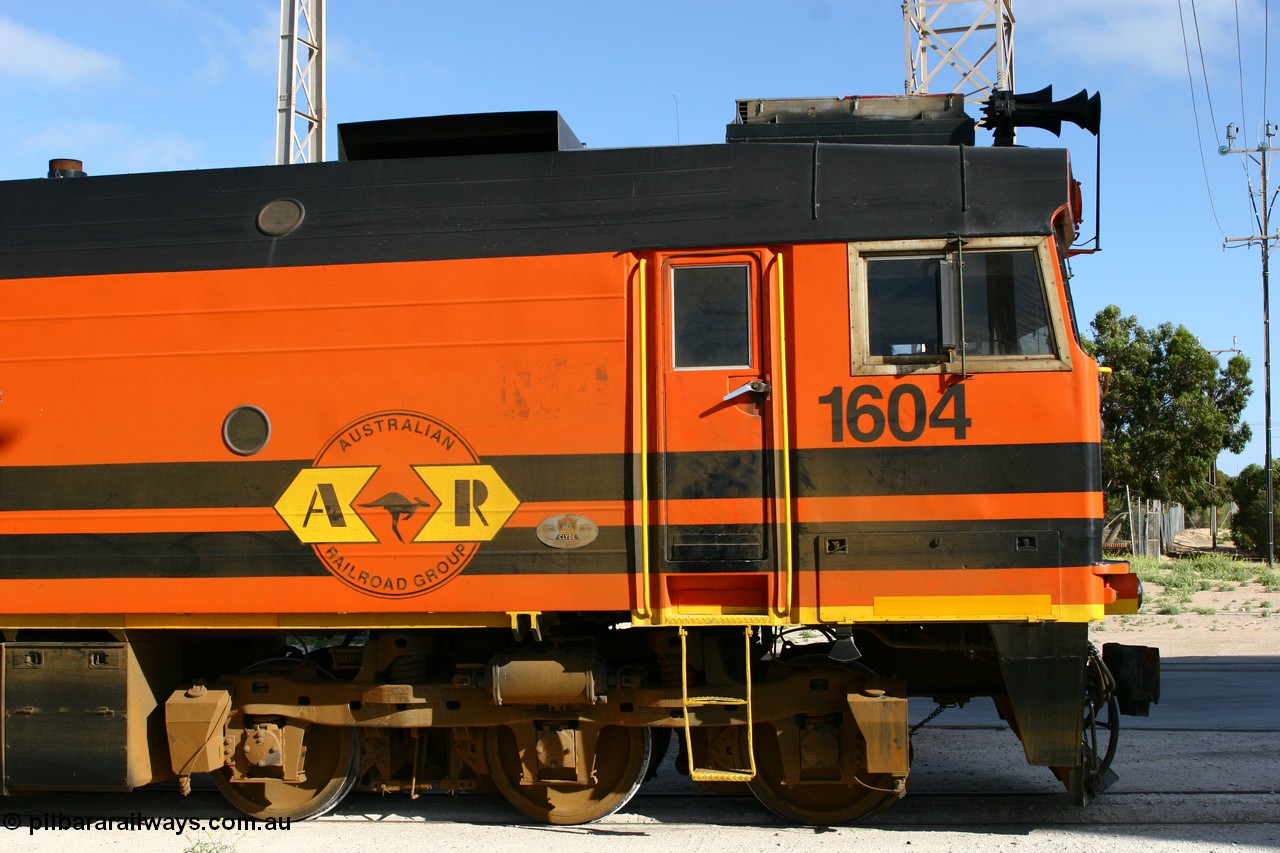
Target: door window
711	308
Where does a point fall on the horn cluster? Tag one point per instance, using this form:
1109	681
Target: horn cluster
1005	111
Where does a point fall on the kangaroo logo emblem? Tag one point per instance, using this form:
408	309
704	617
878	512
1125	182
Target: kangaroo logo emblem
398	506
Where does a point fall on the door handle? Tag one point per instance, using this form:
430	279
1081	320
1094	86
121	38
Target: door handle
755	386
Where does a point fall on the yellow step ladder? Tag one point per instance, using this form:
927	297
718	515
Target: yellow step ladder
700	774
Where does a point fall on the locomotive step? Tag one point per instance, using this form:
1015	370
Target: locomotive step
699	701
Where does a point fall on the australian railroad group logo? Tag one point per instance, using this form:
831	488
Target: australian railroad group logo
396	504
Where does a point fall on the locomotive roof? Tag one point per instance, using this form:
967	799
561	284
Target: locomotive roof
512	204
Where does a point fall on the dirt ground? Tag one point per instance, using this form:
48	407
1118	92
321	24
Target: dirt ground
1244	621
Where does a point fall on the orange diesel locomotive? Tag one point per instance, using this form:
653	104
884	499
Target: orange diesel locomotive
479	460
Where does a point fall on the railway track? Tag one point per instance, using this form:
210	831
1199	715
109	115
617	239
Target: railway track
980	806
1206	784
660	821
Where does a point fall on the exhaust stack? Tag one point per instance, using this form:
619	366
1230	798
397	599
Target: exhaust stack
66	168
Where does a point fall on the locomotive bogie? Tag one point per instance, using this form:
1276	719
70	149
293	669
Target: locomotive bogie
459	731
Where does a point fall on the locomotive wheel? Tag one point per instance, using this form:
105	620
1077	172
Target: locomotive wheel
617	764
1100	734
814	803
330	767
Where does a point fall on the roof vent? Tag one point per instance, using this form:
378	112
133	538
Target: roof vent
885	120
458	135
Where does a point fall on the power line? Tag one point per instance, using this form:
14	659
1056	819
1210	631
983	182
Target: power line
1266	58
1204	72
1266	52
1208	96
1244	118
1191	85
1258	216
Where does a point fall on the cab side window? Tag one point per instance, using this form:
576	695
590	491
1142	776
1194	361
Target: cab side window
988	307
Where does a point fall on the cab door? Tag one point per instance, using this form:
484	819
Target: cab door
714	468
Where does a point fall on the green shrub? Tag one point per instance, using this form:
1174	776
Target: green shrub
1249	521
1223	568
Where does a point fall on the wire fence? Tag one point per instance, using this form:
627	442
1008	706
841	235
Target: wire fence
1144	528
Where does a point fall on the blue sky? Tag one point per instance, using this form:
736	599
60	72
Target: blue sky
153	85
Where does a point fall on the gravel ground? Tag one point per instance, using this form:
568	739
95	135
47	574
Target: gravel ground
1220	634
1243	621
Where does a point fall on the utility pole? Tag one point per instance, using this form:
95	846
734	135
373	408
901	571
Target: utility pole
1264	239
300	99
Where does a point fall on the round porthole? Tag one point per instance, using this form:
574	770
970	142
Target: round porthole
280	217
246	430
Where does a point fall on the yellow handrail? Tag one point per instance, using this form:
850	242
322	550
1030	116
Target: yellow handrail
784	548
644	440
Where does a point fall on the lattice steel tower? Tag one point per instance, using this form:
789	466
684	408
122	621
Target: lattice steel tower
970	43
300	111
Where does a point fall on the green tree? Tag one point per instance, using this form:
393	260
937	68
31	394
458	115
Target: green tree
1249	521
1170	411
